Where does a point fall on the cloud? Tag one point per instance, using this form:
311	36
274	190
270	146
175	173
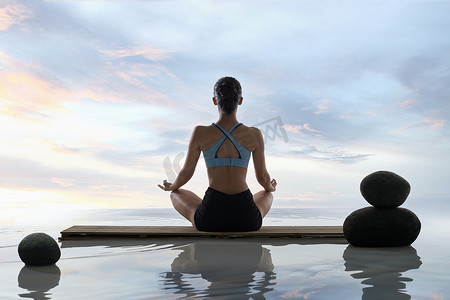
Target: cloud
322	107
63	182
406	104
29	92
333	154
434	123
425	77
25	92
149	52
427	123
13	14
303	130
74	63
61	148
34	175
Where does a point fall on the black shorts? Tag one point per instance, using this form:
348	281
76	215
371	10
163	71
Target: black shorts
224	212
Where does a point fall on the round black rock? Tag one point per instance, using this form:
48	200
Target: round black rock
378	227
385	189
39	249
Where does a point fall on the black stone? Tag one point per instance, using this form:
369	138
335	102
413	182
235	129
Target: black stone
39	249
385	189
378	227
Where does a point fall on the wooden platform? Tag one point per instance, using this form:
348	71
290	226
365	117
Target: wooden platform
86	231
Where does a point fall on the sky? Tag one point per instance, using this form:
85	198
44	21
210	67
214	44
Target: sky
98	98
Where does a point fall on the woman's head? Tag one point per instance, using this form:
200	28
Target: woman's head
227	92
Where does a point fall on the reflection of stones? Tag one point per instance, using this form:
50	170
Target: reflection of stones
38	280
371	227
382	268
229	268
39	249
384	225
385	189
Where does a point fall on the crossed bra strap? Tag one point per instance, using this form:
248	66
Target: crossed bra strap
210	154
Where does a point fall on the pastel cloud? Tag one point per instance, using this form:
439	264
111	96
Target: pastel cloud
323	107
63	182
426	123
332	154
150	52
434	123
304	129
406	104
25	93
12	14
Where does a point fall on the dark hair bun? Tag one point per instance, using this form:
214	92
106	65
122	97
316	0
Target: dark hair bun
228	92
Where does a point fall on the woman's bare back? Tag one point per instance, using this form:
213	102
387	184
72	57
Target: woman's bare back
227	179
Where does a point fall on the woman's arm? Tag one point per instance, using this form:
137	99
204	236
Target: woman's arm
190	163
259	162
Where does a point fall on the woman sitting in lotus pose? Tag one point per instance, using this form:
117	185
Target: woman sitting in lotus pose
228	204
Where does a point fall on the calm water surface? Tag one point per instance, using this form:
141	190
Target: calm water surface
226	268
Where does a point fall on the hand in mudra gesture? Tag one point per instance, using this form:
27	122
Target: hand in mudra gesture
274	184
166	185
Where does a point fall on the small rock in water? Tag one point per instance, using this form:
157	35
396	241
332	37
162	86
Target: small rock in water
381	227
39	249
385	189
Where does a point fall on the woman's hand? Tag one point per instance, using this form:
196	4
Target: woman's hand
274	184
167	186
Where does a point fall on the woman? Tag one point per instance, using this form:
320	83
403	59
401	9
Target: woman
228	204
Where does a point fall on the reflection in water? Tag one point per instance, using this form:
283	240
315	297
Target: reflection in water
230	268
38	281
205	268
383	268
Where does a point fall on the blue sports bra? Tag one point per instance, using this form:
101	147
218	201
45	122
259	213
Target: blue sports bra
210	154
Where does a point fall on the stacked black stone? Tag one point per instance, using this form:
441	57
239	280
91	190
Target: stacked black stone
385	224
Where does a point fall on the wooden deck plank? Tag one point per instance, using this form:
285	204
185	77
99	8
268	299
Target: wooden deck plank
91	231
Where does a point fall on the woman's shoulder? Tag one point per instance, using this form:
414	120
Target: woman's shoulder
251	129
200	131
250	137
203	128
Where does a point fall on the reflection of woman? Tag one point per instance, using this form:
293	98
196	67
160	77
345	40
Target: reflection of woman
231	269
228	204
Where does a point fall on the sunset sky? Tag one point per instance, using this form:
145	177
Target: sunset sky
98	98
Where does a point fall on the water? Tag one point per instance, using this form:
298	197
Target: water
225	268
